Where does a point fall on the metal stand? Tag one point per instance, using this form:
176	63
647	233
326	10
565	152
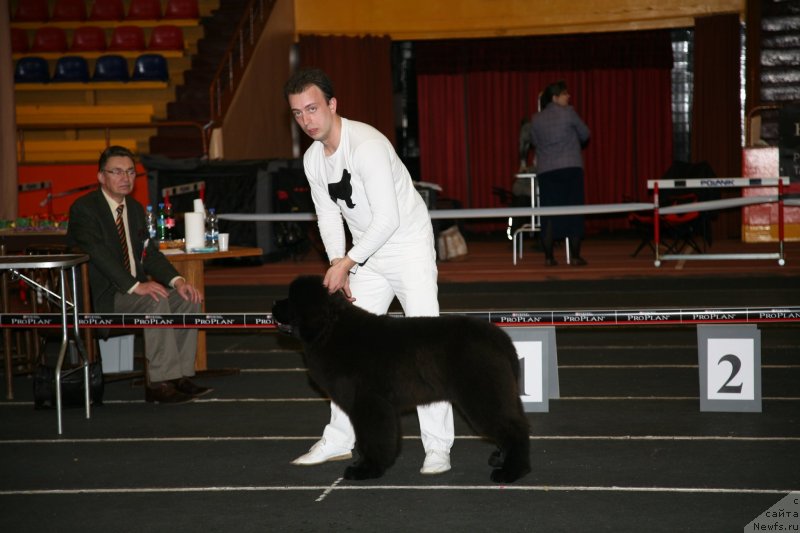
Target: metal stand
535	224
66	263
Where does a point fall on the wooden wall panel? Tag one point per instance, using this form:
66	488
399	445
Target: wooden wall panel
426	19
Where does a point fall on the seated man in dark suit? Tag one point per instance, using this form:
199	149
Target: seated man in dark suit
128	274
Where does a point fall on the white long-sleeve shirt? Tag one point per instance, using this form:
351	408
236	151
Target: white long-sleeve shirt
384	209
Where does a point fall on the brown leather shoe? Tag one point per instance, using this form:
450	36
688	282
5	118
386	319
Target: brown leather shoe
165	392
187	387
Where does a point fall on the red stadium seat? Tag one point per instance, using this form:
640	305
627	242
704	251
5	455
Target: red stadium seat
107	10
19	41
127	38
31	11
166	38
88	39
182	9
144	10
69	10
49	39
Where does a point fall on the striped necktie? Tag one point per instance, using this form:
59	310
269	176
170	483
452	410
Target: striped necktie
126	260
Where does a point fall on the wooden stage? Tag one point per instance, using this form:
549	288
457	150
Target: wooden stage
490	260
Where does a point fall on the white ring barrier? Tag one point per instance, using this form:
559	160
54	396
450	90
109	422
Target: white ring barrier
598	209
499	212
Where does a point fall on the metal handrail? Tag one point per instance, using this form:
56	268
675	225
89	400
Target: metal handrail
108	127
236	57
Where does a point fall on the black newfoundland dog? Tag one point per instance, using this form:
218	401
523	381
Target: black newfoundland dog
377	367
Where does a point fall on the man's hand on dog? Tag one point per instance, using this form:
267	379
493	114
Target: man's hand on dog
337	278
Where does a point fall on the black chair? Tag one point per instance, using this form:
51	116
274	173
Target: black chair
71	69
150	67
32	69
111	67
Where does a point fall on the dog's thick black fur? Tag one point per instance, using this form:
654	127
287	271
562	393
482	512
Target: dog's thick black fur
377	367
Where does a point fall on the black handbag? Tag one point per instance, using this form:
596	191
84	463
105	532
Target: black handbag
72	391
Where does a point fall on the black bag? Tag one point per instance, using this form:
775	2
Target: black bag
44	387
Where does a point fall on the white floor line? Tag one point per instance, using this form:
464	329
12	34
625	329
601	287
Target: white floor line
270	370
287	438
366	488
329	490
594	367
312	400
600	367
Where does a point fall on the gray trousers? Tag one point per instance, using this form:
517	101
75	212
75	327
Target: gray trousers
170	352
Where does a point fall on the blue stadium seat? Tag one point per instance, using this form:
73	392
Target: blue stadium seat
111	68
32	69
71	68
150	67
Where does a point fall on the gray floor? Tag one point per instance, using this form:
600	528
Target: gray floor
626	448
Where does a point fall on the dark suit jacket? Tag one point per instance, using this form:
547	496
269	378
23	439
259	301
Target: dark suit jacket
93	230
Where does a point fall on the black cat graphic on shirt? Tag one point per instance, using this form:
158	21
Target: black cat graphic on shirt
342	190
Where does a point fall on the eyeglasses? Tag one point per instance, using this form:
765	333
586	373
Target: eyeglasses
119	172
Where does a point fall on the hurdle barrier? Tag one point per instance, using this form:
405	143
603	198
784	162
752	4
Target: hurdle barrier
717	183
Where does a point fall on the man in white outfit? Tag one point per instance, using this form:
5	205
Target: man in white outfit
356	176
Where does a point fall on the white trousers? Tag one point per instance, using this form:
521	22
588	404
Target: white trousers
410	274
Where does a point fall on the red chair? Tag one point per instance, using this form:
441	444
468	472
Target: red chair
107	10
182	9
32	11
69	10
88	39
677	230
49	39
144	10
19	41
127	38
166	38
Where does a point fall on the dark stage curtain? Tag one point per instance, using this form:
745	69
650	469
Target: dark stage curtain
361	71
473	95
716	122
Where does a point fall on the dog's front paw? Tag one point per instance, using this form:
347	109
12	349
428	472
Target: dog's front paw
361	471
509	475
497	458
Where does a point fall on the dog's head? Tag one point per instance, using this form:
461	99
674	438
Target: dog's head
306	312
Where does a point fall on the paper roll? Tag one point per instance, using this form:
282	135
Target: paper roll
198	206
195	230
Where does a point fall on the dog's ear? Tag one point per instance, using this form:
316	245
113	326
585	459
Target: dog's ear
310	307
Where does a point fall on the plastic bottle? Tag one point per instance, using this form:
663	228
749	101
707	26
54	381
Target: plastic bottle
161	223
150	221
170	221
212	229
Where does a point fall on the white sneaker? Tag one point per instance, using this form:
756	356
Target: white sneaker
322	452
436	462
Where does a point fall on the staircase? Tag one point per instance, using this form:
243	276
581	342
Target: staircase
192	98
